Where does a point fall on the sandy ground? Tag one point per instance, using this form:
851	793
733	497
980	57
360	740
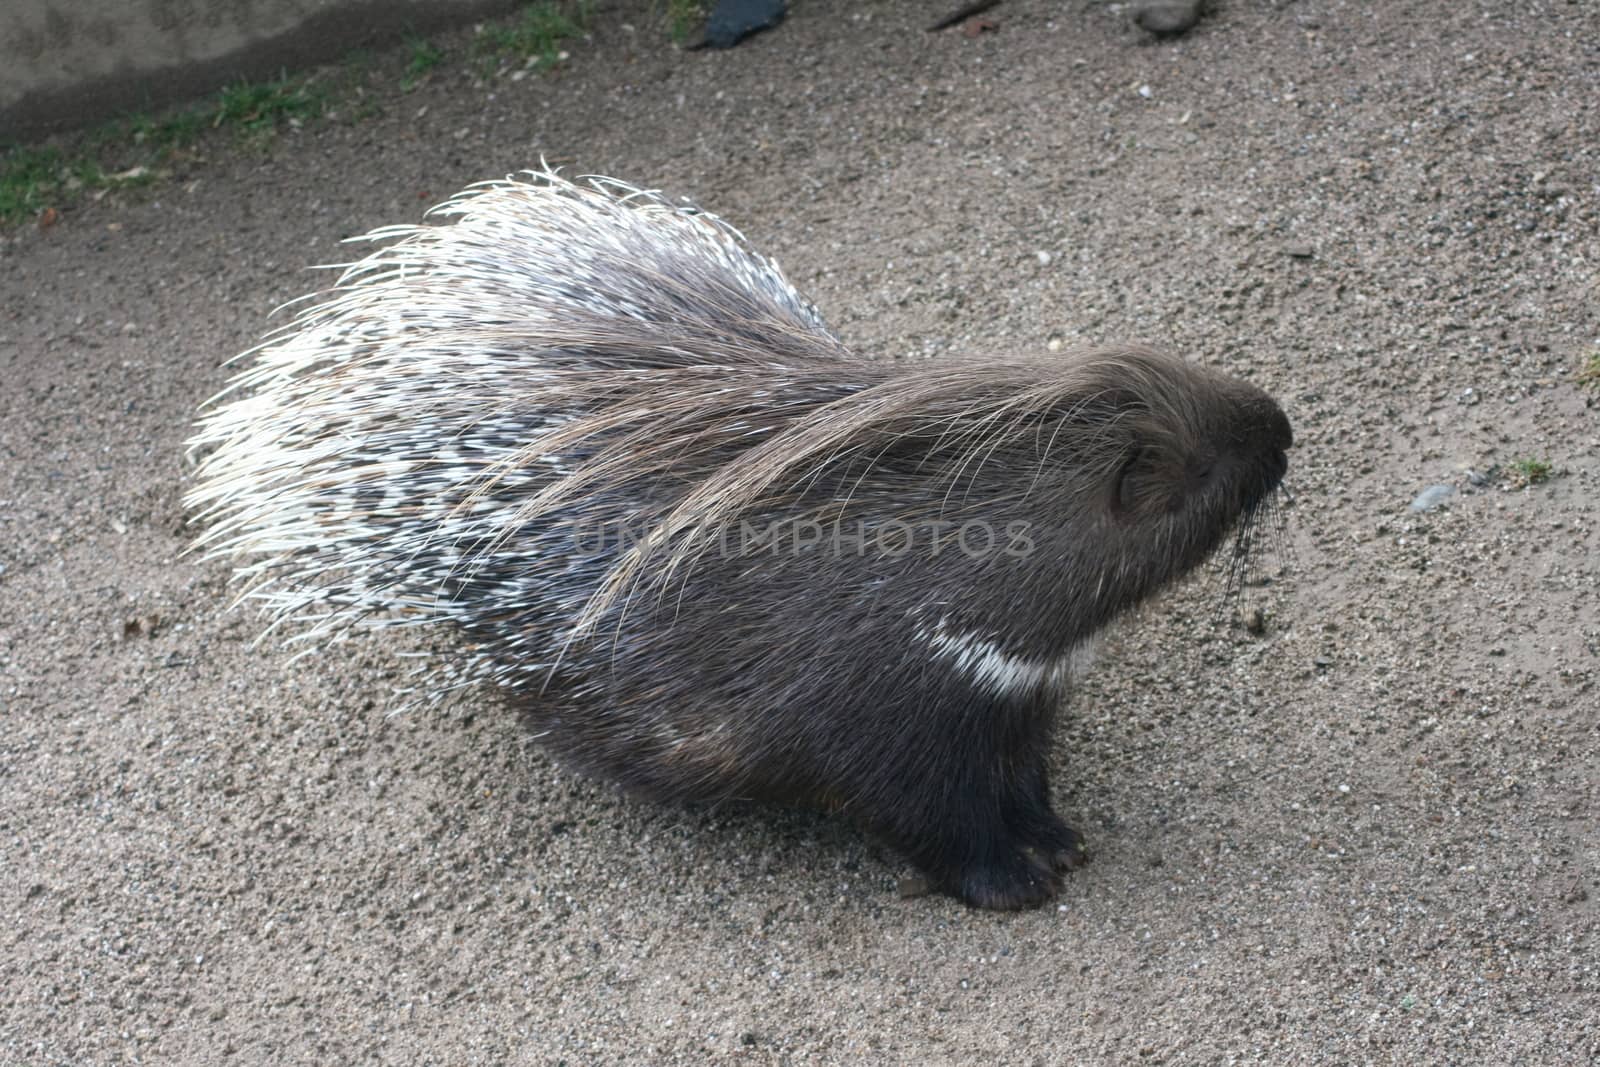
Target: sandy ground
1367	834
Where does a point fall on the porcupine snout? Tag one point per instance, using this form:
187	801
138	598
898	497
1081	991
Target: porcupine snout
1259	445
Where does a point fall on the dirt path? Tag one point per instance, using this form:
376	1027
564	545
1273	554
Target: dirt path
1368	834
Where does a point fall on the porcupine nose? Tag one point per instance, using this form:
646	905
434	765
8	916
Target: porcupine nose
1274	432
1263	424
1264	438
1278	431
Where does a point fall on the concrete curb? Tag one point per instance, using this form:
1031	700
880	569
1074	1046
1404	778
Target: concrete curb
65	65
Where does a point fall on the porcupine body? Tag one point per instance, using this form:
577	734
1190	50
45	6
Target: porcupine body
711	553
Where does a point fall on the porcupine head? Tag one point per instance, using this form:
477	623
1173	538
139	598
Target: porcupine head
711	553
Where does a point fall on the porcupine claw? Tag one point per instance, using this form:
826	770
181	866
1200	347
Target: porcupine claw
1068	853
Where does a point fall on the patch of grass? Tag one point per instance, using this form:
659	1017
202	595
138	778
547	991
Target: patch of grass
33	179
535	35
683	16
1530	471
131	151
258	107
424	56
1589	373
167	134
28	179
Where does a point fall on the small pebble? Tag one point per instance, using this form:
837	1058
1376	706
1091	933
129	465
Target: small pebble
1432	497
1167	18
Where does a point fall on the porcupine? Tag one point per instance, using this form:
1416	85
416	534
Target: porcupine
710	552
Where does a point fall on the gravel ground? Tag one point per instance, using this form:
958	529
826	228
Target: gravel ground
1365	834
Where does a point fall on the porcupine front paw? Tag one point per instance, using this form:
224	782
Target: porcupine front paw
1034	822
1005	882
984	863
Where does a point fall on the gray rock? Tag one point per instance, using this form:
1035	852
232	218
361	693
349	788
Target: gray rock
734	20
1167	18
1432	497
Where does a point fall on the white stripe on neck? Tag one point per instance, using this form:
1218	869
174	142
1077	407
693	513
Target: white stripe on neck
987	666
